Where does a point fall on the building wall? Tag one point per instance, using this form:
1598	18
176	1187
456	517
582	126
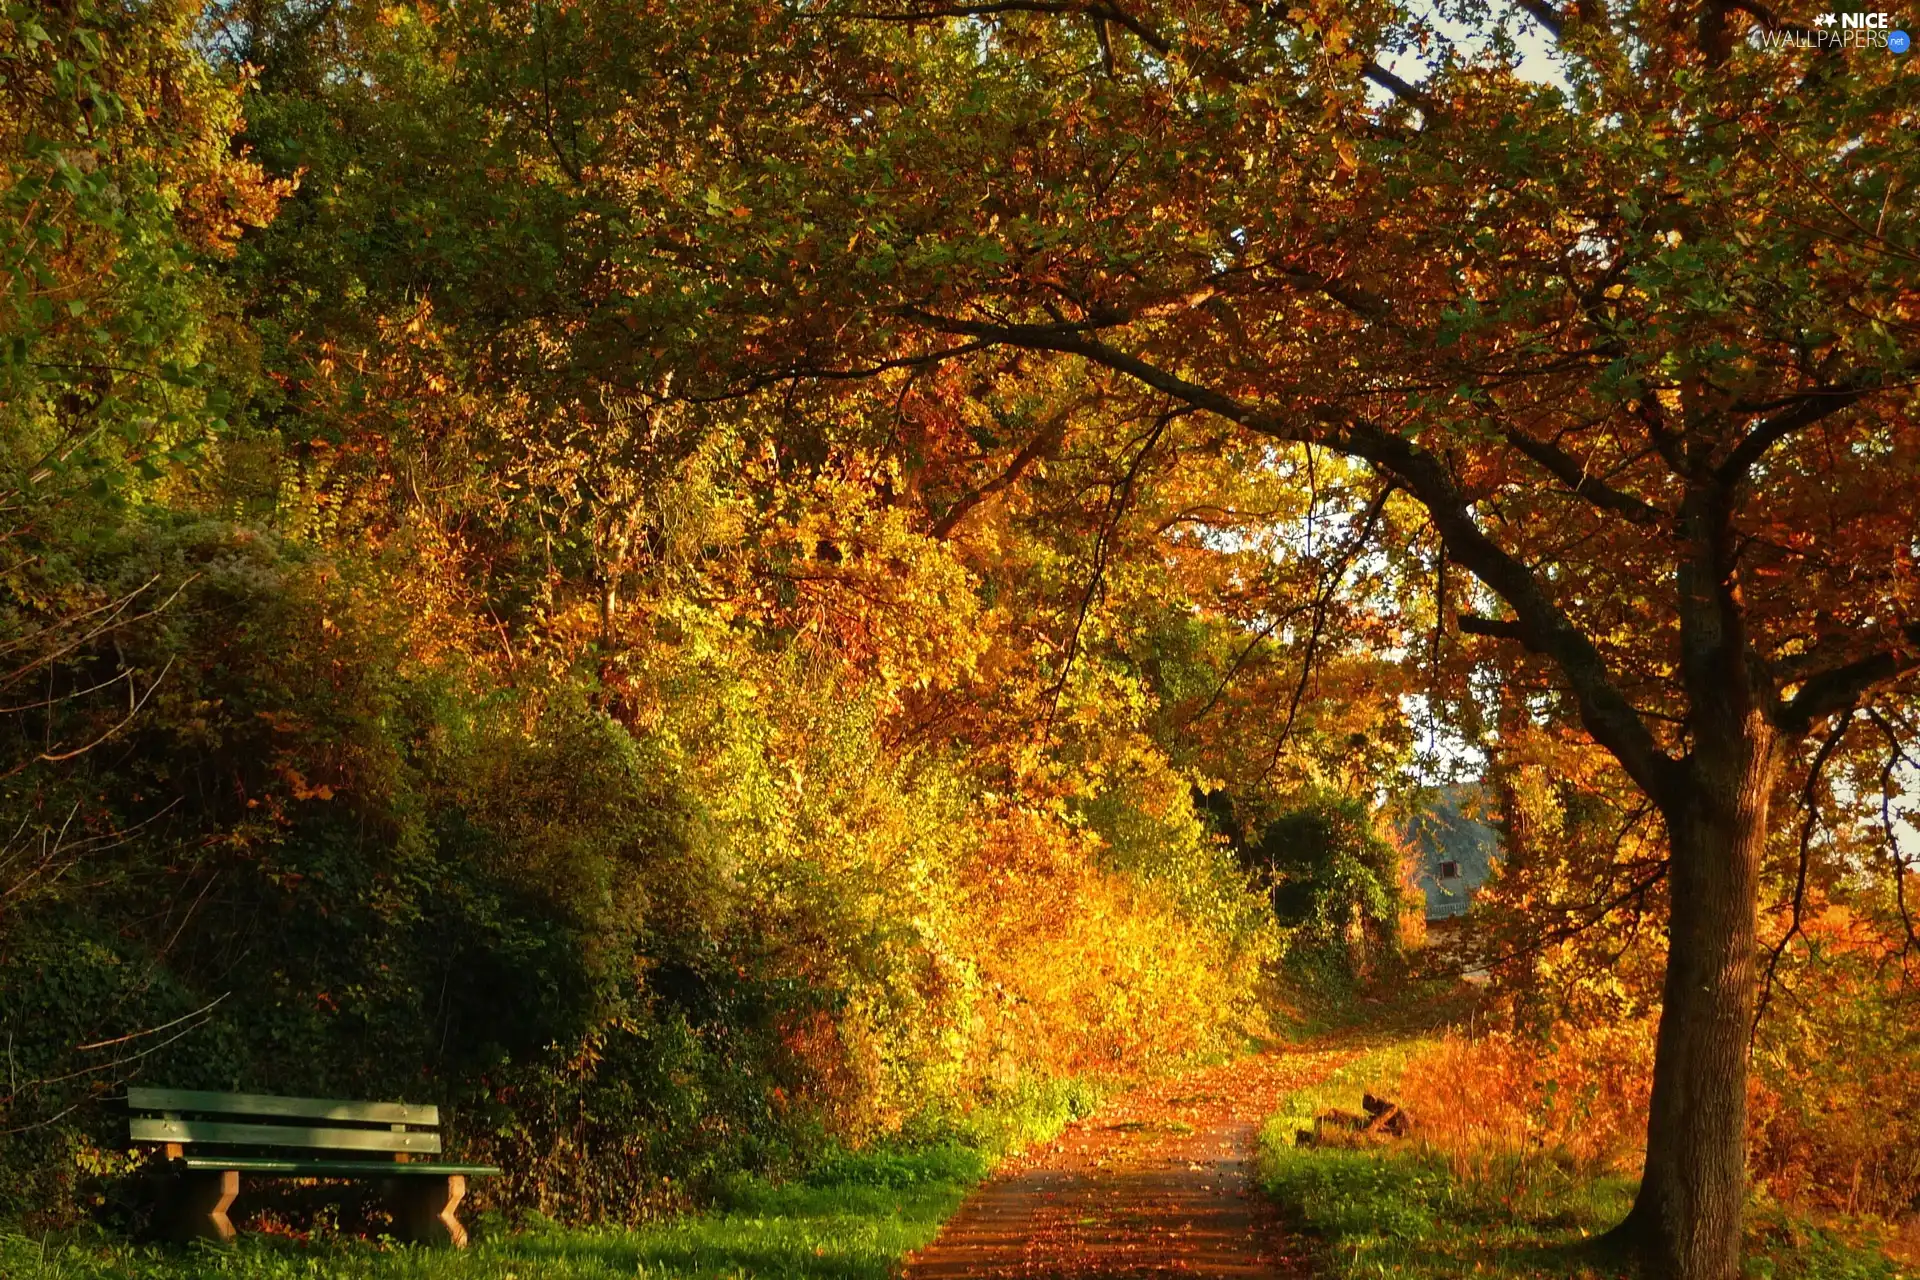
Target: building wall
1445	833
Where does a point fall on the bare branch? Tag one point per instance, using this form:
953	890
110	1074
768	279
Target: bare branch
1102	552
1323	597
1895	755
1596	911
1809	820
149	1031
197	1019
118	605
1240	660
133	711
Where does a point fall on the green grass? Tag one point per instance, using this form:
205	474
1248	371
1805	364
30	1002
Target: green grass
1404	1213
1407	998
850	1218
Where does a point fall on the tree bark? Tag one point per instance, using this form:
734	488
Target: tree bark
1686	1220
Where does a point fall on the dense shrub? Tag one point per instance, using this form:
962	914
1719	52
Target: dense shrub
1834	1108
632	958
1336	886
402	700
1503	1107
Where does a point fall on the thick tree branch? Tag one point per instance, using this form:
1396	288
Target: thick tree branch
1546	15
1844	686
1043	444
830	373
1556	461
1393	84
1057	8
1568	469
1770	431
1101	14
1498	628
1604	709
1076	340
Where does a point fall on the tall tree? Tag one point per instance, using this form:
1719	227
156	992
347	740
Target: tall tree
1639	341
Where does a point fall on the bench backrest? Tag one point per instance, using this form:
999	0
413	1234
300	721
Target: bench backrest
178	1117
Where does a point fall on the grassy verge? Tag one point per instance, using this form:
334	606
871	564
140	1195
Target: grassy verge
1311	1001
1408	1213
851	1218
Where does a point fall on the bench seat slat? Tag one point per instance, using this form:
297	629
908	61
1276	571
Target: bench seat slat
140	1098
333	1168
143	1129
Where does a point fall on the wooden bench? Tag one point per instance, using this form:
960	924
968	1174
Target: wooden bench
210	1139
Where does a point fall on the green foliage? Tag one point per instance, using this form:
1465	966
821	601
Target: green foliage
1151	830
633	958
116	174
853	1214
1335	884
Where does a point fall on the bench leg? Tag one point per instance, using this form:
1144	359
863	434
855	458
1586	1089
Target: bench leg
423	1208
197	1204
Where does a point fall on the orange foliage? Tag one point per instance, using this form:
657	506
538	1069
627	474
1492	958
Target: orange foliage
1833	1098
1081	970
1834	1108
1579	1100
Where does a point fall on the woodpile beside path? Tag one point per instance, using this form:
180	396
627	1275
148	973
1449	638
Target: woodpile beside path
1378	1121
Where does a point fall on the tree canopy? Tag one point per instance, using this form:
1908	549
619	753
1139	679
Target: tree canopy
815	543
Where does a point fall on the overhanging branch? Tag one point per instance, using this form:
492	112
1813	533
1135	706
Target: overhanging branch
1498	628
1101	14
1568	469
1604	709
1838	688
1770	431
1546	15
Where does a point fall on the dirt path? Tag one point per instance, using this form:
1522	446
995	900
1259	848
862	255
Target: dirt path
1159	1183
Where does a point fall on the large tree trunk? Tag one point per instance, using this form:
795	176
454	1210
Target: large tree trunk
1686	1221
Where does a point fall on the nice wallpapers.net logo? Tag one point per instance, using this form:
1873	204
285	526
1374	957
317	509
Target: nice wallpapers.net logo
1837	31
